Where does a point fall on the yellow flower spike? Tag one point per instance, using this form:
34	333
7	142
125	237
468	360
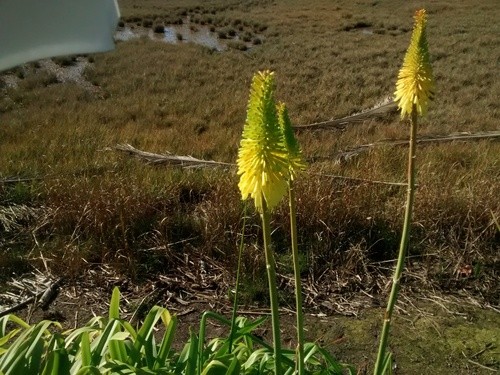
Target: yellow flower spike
415	85
414	89
295	158
262	157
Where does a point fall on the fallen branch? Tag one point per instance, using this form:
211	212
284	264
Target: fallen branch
191	162
175	160
20	305
357	118
356	179
178	160
44	298
464	136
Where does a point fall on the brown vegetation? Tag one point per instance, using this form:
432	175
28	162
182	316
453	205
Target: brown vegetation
188	100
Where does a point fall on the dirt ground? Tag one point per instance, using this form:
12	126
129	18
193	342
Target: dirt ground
439	335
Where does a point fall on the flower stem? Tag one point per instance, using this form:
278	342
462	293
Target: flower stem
237	287
403	248
273	291
298	284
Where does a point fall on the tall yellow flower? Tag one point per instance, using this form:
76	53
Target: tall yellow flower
262	157
295	159
415	85
414	89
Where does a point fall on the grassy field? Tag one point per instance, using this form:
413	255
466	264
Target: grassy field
86	204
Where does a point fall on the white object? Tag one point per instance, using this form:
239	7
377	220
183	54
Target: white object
34	29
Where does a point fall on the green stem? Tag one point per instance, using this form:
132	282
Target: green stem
298	286
237	288
273	291
403	248
201	340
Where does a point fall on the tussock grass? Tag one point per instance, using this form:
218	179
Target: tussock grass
189	100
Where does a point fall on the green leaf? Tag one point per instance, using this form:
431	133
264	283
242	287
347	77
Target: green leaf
333	364
14	319
254	358
145	340
387	366
100	345
114	305
166	343
117	347
6	338
83	357
34	357
234	366
309	350
120	336
192	355
18	356
57	360
214	368
130	329
246	327
85	350
89	370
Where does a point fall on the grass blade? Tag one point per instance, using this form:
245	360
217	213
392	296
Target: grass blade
192	355
166	343
114	304
99	346
117	348
85	350
18	355
143	340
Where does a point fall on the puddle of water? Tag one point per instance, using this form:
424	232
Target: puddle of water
201	35
175	34
126	33
170	35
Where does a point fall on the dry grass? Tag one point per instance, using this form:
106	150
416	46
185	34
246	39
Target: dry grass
189	100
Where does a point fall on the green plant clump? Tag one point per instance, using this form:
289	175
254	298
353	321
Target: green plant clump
112	345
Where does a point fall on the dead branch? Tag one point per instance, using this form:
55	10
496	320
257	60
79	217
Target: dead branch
361	180
175	160
344	156
20	305
44	298
356	118
426	139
